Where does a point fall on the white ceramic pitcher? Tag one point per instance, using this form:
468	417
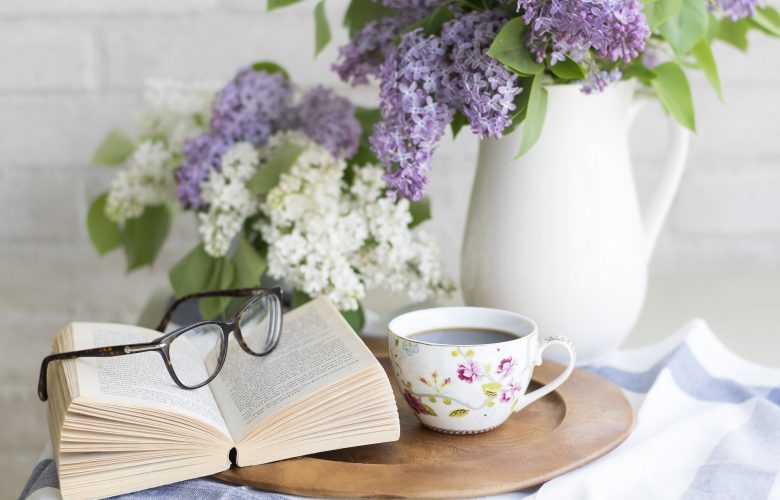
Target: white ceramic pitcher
557	234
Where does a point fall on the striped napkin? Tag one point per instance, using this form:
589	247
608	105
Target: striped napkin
708	427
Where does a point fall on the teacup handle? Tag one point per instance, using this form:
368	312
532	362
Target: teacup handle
547	389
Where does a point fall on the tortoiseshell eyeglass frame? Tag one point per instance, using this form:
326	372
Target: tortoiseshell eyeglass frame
162	344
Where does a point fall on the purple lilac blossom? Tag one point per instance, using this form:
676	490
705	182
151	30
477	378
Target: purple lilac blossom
362	56
413	119
328	119
424	81
484	90
734	9
615	30
598	79
201	154
245	109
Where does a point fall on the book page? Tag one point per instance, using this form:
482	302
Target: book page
141	379
317	348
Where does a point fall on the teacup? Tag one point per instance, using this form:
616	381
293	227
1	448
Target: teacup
465	370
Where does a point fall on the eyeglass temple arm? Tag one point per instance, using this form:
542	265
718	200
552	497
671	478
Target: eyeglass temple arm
96	352
236	292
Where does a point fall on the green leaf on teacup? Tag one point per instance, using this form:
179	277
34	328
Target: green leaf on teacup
431	399
491	389
490	404
514	403
454	354
429	410
469	353
460	412
447	401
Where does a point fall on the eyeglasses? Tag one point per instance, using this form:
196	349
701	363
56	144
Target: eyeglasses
257	326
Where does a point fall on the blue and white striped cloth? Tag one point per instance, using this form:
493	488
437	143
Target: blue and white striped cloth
708	427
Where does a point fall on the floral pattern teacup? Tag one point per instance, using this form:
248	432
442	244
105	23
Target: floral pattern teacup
461	385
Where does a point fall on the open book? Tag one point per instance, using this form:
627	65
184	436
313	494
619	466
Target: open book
120	424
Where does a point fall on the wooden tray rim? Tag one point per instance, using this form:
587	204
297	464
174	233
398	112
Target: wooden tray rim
304	475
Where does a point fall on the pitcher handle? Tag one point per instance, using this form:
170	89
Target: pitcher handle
669	181
548	388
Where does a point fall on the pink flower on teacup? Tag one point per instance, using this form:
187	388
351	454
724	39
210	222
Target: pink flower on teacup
509	392
470	371
415	402
506	367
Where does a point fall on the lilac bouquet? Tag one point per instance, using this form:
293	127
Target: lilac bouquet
282	184
486	64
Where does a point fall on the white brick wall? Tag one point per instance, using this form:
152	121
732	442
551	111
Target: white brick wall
71	69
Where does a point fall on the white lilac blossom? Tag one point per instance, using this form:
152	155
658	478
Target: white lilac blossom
174	113
177	111
147	180
229	200
327	238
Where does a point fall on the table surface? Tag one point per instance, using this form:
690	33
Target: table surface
742	310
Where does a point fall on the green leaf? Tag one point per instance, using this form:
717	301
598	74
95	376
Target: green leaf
321	28
143	236
640	72
685	29
367	117
458	122
250	265
509	47
115	149
769	14
270	68
104	233
534	115
420	210
361	12
431	399
267	176
356	318
460	412
767	20
658	11
221	279
447	401
192	273
277	4
299	298
734	33
433	23
568	70
491	389
703	55
428	409
673	89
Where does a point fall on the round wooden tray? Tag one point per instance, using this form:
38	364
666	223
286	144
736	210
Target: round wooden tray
584	419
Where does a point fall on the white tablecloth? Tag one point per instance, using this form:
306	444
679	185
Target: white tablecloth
708	427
